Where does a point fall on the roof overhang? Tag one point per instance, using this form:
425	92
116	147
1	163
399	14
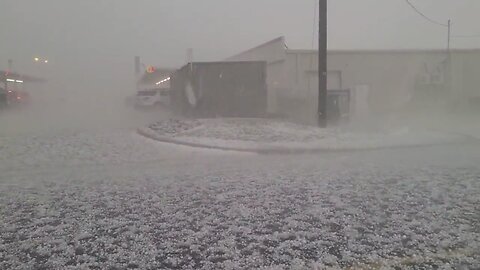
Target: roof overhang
19	78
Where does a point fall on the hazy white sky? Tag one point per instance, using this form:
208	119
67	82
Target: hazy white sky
83	38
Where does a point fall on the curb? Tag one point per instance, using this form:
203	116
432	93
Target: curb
165	139
258	150
469	137
280	150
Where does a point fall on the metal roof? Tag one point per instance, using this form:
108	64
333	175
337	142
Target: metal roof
156	76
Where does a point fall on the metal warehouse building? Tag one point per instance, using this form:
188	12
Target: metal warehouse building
380	81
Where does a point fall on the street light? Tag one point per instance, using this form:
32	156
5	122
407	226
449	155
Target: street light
38	59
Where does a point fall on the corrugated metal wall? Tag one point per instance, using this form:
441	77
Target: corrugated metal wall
392	77
226	89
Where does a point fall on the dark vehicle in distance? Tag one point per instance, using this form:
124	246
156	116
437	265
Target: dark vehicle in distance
16	98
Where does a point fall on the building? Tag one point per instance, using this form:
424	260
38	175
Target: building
220	89
13	88
380	81
155	78
12	80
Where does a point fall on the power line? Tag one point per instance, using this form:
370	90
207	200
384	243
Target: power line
423	15
466	36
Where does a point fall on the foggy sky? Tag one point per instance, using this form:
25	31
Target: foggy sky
91	43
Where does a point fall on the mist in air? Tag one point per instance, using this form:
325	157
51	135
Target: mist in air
91	45
211	134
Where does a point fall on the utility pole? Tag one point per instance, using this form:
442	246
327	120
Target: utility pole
322	64
448	64
449	34
10	65
137	65
189	55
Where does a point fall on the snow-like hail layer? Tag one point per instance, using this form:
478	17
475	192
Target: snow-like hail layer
116	200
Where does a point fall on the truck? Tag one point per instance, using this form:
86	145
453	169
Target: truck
151	98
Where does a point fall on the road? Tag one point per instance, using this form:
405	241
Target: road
107	198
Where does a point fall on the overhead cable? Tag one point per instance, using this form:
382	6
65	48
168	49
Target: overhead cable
423	15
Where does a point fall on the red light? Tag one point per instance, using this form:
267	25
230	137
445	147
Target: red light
150	69
19	97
